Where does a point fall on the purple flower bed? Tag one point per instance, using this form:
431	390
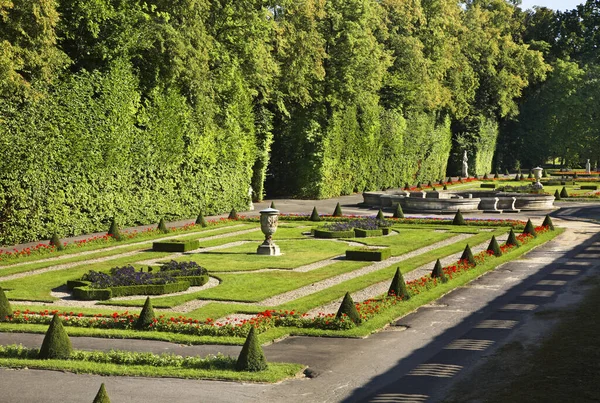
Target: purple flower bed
369	223
183	268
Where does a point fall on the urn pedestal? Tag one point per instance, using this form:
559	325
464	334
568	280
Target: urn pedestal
537	174
269	218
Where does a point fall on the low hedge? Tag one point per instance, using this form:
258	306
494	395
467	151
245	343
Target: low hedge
488	185
176	246
323	233
363	233
368	254
589	187
86	293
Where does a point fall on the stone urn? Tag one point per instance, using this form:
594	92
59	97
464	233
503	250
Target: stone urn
537	174
269	218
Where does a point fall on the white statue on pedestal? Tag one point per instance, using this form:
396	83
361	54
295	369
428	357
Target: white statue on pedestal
465	166
588	167
250	205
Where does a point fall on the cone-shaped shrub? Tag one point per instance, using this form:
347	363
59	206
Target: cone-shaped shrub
55	240
146	316
476	176
347	307
101	396
445	187
337	212
433	188
273	205
251	357
494	247
544	174
5	308
56	344
162	227
506	172
380	215
563	192
438	272
430	184
529	228
522	177
485	176
496	176
418	185
398	213
449	181
201	221
512	239
315	215
114	230
398	286
468	255
406	186
548	222
517	177
233	215
556	195
441	182
530	176
458	219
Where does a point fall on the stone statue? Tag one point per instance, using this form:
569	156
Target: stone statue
465	166
588	167
250	205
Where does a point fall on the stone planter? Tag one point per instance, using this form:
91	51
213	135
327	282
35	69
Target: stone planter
269	219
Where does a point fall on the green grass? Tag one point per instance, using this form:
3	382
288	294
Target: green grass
275	372
407	239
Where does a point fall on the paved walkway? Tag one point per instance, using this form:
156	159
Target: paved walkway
413	360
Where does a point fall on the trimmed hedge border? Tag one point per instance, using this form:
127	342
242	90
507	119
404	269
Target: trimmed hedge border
488	185
323	233
364	233
176	246
589	187
376	255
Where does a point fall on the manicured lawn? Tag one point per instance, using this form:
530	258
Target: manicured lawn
407	239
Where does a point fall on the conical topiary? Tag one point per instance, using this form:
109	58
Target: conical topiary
273	205
468	256
146	316
517	177
441	182
548	223
512	239
101	396
56	344
201	221
398	213
530	176
5	308
449	181
315	215
380	215
55	240
544	174
563	192
485	176
496	176
398	286
347	307
251	357
506	172
233	215
529	228
162	227
418	185
114	230
337	212
430	184
445	187
494	247
406	186
522	177
438	272
458	219
556	195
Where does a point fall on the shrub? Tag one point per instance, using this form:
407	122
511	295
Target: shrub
348	308
56	344
438	272
494	247
445	187
544	174
56	242
517	177
398	286
380	215
5	308
406	186
556	195
496	176
512	239
418	185
589	187
548	222
114	230
233	215
201	221
468	255
273	205
485	176
506	172
175	245
488	185
338	211
529	229
162	227
251	357
398	213
101	396
530	176
458	219
563	192
146	316
330	234
522	177
376	255
315	215
430	184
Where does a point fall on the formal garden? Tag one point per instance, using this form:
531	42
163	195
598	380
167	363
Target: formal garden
336	276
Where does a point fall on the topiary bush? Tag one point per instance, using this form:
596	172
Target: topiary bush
418	186
438	272
563	192
201	221
113	230
233	215
458	219
512	239
101	396
5	309
146	316
338	211
398	286
517	177
56	344
556	195
273	205
348	308
445	187
494	247
380	215
398	213
55	240
251	357
314	216
162	227
468	256
530	229
548	222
